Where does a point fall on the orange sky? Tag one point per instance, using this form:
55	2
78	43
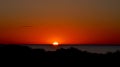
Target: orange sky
65	21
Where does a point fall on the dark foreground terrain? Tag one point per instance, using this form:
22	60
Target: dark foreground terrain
19	55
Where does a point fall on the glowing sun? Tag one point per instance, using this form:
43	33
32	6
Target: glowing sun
55	43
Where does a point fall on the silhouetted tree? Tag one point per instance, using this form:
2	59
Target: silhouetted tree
70	56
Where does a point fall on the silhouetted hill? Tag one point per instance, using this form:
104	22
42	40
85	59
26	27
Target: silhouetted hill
61	57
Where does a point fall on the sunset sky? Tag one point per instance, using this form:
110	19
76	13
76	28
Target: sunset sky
65	21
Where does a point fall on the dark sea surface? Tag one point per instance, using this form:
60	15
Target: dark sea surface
89	48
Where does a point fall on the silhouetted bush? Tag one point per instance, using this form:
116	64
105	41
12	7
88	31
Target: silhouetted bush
70	56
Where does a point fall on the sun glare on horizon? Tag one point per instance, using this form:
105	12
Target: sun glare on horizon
55	43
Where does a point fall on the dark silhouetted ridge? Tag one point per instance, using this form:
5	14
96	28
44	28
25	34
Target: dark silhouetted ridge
71	56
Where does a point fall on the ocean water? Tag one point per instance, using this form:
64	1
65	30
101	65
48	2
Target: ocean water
90	48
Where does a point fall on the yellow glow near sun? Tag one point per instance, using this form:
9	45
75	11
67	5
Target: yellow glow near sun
55	43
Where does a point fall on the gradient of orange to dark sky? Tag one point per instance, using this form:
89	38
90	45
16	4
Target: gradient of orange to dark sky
65	21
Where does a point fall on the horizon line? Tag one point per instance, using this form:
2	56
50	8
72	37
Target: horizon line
65	44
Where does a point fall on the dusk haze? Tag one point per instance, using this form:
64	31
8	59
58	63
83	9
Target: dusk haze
65	33
64	21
